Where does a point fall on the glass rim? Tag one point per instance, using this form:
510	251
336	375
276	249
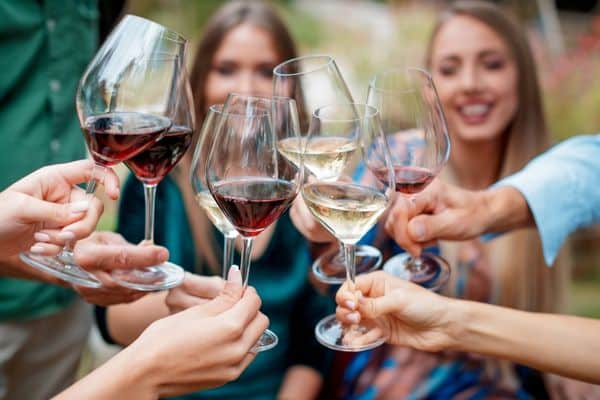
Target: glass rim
168	32
329	60
372	112
386	71
257	114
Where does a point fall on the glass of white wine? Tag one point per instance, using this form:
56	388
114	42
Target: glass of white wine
203	195
349	204
314	81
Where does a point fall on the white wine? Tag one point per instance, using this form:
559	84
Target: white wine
347	210
214	213
325	156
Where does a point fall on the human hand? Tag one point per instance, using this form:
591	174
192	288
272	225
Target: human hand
103	251
193	291
307	225
407	314
440	212
45	209
223	330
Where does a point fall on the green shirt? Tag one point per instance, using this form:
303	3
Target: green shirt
44	49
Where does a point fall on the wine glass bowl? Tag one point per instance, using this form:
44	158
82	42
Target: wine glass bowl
348	205
416	132
315	81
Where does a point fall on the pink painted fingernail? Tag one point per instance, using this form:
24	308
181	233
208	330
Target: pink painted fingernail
36	249
41	237
350	304
353	317
79	206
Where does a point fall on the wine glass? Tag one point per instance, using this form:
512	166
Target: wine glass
122	101
250	181
349	204
150	167
203	196
417	134
315	81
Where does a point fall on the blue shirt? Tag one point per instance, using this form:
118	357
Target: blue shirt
562	189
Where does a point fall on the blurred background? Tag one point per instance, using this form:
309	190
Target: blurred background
366	36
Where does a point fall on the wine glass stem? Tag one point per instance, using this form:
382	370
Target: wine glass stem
228	245
149	197
349	255
245	261
66	253
415	264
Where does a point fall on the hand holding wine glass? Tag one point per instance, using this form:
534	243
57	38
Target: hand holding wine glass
416	132
349	204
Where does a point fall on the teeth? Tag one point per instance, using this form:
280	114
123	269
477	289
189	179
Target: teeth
474	109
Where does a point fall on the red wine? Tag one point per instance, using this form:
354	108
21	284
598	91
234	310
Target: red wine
154	163
116	137
409	180
252	204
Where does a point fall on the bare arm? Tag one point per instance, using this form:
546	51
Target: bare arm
300	382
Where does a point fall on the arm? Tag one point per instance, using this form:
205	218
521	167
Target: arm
413	316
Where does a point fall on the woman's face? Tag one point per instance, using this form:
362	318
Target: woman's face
476	78
243	64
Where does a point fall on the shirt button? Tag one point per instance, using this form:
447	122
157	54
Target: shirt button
50	24
55	145
54	85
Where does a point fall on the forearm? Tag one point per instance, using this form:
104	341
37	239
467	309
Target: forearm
503	209
122	377
300	382
560	344
127	321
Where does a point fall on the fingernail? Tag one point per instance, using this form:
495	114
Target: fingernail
66	235
41	237
350	304
417	230
163	255
79	206
36	249
353	317
234	275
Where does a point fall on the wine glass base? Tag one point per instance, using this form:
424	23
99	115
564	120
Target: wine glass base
332	334
150	279
432	275
331	268
64	268
267	341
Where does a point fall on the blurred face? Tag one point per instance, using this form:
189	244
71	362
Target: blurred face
476	78
243	64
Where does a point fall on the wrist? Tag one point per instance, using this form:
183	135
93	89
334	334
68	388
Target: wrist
140	378
457	327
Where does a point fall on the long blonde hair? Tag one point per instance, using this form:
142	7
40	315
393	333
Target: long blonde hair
257	13
521	278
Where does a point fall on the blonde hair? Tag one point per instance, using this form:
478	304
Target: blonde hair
521	278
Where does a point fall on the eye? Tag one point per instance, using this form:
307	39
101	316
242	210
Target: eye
447	70
225	69
266	71
494	64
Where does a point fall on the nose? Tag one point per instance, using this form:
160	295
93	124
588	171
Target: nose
470	79
246	84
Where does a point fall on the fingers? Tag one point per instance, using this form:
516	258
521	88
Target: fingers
229	296
96	255
34	210
397	222
308	226
109	293
372	308
81	171
428	228
202	286
85	226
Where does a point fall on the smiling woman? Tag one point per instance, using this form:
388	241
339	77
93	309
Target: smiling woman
486	79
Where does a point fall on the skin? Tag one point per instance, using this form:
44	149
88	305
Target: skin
410	315
223	330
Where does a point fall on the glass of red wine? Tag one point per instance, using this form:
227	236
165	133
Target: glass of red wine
150	167
250	181
124	103
417	134
315	81
204	198
350	204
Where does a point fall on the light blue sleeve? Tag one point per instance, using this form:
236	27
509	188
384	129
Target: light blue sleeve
562	189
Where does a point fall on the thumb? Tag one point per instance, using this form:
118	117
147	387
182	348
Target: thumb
231	294
36	210
372	308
